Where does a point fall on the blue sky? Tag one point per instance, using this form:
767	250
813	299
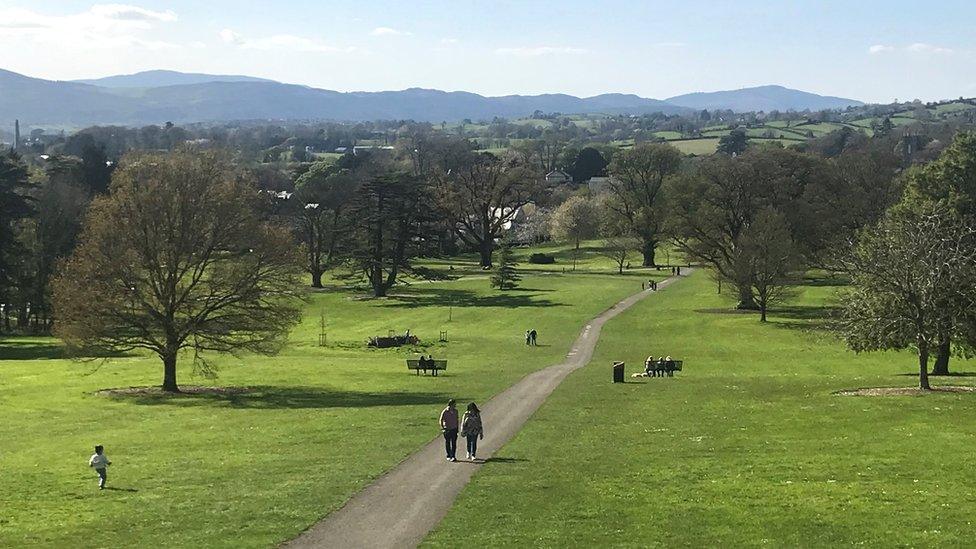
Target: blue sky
864	49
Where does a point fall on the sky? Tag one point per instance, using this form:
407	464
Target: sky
870	50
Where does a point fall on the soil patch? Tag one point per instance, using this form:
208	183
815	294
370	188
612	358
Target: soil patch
184	390
905	391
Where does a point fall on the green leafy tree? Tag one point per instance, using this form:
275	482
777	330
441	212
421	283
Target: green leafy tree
389	218
319	210
505	275
14	206
734	143
589	163
576	220
949	183
912	277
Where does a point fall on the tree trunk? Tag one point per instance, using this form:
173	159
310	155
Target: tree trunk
648	248
485	249
923	366
762	312
169	372
317	278
747	300
941	366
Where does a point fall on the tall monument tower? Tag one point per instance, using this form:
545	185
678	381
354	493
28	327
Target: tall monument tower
16	134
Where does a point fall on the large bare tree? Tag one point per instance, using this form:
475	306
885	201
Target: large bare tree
176	258
636	183
483	193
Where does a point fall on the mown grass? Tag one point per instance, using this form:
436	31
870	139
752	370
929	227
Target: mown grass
746	447
254	469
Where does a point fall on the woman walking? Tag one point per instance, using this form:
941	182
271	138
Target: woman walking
472	429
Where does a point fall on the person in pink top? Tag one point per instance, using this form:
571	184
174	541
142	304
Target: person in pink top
449	426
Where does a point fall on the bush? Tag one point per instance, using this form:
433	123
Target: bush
542	259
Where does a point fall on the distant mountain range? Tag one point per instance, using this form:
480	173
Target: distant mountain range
155	97
762	98
155	79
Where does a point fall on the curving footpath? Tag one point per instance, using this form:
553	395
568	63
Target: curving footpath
403	505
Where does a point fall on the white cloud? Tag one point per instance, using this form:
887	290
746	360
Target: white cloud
228	36
291	42
103	26
387	31
132	13
449	41
536	51
918	47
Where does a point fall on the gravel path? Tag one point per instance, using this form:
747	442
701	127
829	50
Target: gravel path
402	506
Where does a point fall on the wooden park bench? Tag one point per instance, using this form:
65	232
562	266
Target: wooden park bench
675	366
667	370
438	365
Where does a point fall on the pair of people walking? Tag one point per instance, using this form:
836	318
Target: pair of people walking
469	426
531	337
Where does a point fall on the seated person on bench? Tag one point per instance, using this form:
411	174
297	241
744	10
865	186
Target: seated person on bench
649	366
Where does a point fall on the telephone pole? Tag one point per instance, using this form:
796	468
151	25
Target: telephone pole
16	135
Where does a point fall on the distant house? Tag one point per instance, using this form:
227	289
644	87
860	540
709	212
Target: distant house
597	185
362	148
557	177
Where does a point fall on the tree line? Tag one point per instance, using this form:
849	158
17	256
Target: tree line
187	249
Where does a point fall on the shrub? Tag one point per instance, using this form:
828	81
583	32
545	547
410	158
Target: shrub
542	259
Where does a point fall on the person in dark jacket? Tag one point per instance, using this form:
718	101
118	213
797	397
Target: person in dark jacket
472	429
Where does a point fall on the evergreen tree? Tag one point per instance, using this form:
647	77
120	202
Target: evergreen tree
505	277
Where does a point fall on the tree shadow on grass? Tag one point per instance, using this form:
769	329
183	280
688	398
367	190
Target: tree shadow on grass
950	374
424	297
801	312
824	281
504	460
44	350
30	350
805	318
284	398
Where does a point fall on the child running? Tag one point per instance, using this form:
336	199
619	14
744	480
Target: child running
100	462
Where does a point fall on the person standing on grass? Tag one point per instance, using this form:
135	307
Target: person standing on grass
528	337
533	335
472	430
449	426
100	462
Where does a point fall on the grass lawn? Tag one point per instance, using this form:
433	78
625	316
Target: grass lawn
748	446
949	108
696	146
254	469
